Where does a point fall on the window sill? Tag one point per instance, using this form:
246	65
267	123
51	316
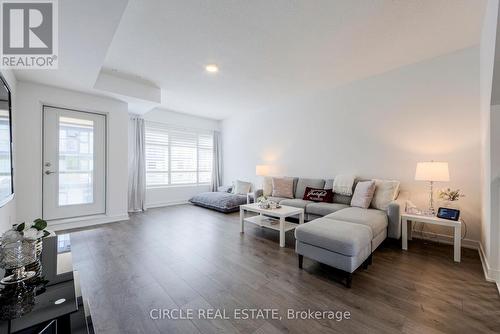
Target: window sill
190	185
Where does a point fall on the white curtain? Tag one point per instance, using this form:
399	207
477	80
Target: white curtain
136	165
217	162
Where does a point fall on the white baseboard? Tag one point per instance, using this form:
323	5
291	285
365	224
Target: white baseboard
445	239
79	222
492	275
163	204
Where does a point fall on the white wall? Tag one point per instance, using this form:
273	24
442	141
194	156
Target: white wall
492	236
29	99
163	196
490	140
8	211
377	127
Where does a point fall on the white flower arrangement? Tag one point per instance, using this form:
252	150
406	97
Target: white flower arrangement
450	195
21	232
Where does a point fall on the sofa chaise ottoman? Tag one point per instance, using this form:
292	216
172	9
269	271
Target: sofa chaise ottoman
344	239
337	243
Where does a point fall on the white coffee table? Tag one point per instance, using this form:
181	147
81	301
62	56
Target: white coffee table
264	220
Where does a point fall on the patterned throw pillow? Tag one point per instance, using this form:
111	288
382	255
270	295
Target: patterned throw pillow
318	195
283	187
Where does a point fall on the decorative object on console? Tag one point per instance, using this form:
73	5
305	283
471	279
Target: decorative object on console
20	247
39	225
386	191
15	255
432	171
342	184
283	187
318	195
17	300
363	194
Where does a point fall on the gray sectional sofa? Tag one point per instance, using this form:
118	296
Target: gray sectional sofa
337	234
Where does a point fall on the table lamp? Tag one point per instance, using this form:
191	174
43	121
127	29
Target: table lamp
432	171
262	170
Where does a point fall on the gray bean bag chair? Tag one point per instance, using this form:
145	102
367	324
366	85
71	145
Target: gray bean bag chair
222	200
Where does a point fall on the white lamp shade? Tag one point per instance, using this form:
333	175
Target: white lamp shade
432	171
262	170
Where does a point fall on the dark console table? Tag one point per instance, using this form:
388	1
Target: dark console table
50	302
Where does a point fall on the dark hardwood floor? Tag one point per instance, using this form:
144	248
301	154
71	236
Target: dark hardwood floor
192	258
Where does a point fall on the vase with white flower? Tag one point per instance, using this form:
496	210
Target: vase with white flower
19	247
450	197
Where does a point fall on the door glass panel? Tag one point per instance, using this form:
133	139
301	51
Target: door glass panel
76	161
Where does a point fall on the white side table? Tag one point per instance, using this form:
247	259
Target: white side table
406	218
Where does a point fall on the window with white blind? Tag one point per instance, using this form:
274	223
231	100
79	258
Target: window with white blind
177	156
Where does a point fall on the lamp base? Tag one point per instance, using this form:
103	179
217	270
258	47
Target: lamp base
431	210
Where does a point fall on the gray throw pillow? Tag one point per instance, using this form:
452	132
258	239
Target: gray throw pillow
363	194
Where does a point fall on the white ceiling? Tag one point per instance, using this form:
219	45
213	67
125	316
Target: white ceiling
267	51
86	29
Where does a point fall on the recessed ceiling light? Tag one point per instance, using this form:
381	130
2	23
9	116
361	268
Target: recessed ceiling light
212	68
59	301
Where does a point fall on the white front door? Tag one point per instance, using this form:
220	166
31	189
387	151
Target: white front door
74	163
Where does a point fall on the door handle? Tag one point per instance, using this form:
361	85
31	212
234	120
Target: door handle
48	172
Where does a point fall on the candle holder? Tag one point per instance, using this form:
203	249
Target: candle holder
14	256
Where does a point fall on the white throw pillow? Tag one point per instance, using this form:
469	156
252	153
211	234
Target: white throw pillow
363	194
343	183
241	187
267	186
386	191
